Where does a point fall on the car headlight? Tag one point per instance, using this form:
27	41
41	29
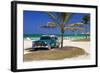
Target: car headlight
47	46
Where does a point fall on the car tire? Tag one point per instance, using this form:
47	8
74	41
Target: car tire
35	49
57	46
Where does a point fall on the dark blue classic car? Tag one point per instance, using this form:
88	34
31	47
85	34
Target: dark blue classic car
46	41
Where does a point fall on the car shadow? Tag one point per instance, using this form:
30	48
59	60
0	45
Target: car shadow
36	49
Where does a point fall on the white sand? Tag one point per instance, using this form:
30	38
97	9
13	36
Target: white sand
83	45
27	44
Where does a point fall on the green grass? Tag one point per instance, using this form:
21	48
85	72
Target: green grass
56	54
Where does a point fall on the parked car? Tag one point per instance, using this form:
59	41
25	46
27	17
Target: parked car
46	41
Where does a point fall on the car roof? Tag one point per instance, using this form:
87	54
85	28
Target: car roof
49	35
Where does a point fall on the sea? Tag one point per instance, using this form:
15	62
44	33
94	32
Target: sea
68	36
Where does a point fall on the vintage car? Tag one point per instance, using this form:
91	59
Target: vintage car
46	41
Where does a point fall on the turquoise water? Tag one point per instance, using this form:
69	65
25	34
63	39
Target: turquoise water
72	37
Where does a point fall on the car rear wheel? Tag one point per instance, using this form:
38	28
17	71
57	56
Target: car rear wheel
57	46
35	49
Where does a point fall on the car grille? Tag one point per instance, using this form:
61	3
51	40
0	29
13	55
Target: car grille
39	44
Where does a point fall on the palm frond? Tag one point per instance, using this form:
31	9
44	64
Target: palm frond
54	18
65	17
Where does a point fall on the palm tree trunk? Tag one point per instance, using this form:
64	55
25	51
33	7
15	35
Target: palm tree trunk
86	31
62	40
62	34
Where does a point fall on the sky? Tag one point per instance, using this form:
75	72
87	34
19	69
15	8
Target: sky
33	20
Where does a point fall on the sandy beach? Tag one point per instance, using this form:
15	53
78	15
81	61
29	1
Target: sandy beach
81	44
84	45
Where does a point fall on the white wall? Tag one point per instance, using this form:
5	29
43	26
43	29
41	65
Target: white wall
90	2
5	38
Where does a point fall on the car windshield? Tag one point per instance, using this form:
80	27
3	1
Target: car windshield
38	42
55	38
45	38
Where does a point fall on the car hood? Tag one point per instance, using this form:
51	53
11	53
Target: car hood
46	41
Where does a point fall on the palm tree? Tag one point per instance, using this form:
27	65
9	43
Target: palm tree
86	21
61	20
